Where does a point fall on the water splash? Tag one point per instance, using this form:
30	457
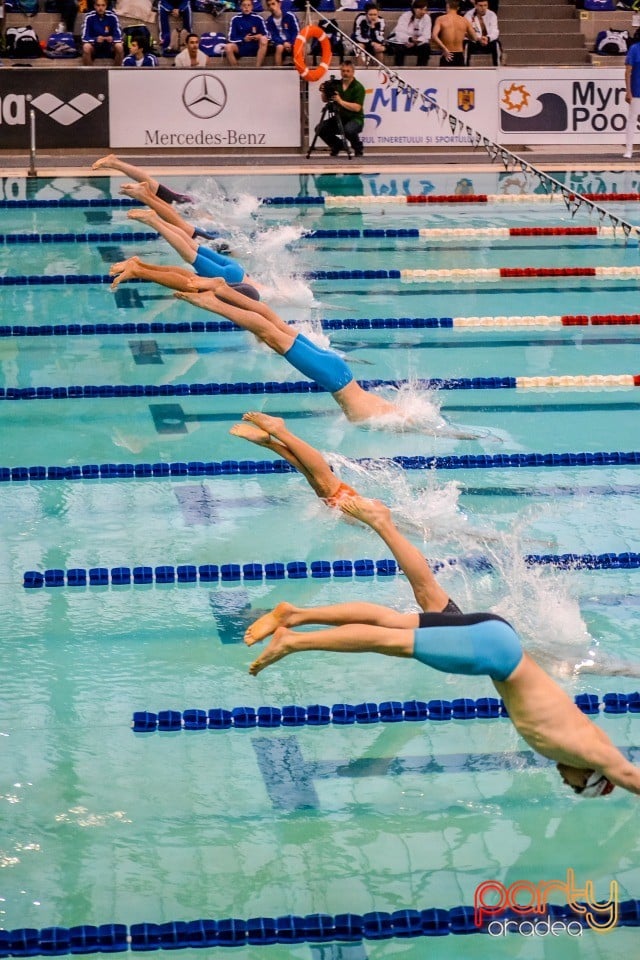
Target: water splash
419	412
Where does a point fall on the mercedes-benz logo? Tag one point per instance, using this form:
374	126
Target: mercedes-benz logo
204	96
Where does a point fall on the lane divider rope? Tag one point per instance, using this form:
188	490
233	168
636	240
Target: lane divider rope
462	275
289	929
300	570
453	233
199	468
493	274
28	238
347	714
331	201
347	323
111	391
477	198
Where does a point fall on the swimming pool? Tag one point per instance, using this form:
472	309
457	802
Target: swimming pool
102	825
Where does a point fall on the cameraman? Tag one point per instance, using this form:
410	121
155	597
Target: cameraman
345	102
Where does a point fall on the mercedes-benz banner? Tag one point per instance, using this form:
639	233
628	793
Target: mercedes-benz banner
204	108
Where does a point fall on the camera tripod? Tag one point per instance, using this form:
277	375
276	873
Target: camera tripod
330	110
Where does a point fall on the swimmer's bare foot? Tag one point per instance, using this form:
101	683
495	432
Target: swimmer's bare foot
200	284
138	191
253	434
268	623
372	512
110	161
207	300
144	216
122	265
279	646
270	425
127	270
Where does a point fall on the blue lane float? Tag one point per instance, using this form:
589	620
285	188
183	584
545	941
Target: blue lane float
69	203
213	326
300	570
213	468
20	280
109	390
348	714
287	929
11	239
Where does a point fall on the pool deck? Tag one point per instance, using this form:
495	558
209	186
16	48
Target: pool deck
546	157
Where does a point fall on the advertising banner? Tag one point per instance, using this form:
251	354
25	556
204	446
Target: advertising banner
200	109
70	107
395	118
561	106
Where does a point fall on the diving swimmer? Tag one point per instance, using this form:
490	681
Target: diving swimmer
477	644
159	190
325	367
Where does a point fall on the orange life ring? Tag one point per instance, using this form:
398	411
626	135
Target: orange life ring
311	74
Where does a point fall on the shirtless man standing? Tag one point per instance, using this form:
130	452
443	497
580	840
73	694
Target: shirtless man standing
471	644
449	32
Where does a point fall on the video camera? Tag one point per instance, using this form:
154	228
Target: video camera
330	88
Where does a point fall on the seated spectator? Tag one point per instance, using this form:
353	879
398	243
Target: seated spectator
247	36
368	31
412	35
335	39
192	56
101	35
282	29
485	23
171	13
139	55
68	10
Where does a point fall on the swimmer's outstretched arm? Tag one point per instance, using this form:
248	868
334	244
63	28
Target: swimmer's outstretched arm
428	593
111	162
352	638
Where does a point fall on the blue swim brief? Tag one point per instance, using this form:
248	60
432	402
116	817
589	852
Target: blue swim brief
476	644
324	366
209	263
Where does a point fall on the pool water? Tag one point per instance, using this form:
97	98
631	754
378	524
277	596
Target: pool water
101	825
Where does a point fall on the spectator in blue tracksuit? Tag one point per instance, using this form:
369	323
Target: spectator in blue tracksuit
247	36
138	55
101	35
170	11
282	29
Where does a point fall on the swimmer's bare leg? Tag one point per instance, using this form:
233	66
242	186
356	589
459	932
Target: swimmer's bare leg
353	638
338	614
181	241
308	460
426	589
262	439
146	194
237	299
112	162
253	320
176	278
